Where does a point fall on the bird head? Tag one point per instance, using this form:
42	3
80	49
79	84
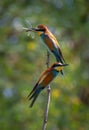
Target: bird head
39	29
58	66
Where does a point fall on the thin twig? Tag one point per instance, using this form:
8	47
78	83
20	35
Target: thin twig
48	59
48	97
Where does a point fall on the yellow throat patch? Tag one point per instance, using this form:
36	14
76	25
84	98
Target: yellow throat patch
59	68
39	32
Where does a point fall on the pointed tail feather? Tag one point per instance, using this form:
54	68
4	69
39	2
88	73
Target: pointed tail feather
59	59
62	73
61	56
32	90
35	95
32	95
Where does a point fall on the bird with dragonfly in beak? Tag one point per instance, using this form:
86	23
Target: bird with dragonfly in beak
49	41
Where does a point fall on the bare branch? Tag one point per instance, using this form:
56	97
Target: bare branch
48	97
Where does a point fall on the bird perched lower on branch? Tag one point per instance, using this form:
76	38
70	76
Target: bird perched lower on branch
45	78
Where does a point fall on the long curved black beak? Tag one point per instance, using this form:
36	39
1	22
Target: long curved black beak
64	64
34	29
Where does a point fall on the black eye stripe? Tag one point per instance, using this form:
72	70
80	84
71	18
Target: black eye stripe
55	65
40	29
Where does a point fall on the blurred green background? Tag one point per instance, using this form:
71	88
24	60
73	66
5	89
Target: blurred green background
23	58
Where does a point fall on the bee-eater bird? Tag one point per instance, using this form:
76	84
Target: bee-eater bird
50	41
45	78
